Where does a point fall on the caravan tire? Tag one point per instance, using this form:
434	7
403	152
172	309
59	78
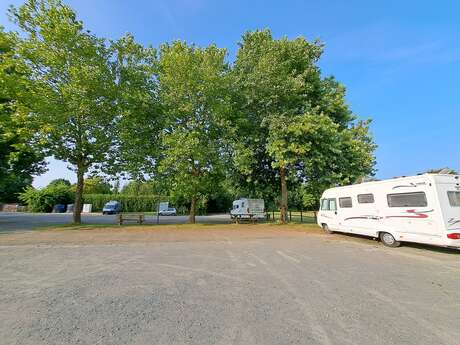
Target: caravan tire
326	229
388	240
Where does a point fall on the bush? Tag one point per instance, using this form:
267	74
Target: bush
43	200
129	203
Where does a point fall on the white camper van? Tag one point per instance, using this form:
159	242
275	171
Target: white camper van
245	208
422	209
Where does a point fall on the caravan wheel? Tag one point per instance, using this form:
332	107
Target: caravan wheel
388	240
326	229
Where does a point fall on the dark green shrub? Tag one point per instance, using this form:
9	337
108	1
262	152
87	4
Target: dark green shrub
43	200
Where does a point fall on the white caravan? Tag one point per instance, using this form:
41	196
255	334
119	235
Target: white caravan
245	208
423	209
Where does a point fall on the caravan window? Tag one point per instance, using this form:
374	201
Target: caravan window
366	198
345	202
454	199
417	199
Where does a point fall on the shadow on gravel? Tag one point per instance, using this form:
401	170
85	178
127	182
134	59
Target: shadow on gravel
431	248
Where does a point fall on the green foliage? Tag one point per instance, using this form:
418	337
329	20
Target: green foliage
141	121
18	159
96	185
79	87
130	203
445	170
203	131
73	85
43	200
59	181
193	89
140	188
295	126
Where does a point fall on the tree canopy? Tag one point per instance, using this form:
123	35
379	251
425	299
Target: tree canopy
78	87
197	127
96	185
192	85
296	125
18	159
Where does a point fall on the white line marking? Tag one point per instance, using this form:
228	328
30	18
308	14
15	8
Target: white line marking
258	259
288	257
201	270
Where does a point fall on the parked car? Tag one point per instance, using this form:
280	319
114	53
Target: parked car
245	208
422	209
112	207
59	208
170	211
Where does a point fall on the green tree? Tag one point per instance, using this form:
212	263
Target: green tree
18	159
140	188
193	94
96	185
141	120
445	170
59	181
295	125
73	91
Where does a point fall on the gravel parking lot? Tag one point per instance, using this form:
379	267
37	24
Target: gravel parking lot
223	284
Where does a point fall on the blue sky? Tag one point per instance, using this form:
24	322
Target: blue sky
400	60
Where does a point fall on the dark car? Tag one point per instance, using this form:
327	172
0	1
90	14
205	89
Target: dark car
59	208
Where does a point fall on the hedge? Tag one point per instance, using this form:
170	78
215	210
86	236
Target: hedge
129	203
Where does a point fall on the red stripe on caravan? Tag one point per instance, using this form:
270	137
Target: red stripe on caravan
416	214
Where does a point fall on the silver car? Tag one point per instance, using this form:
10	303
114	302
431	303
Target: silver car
170	211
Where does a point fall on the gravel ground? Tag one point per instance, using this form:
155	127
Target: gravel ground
223	284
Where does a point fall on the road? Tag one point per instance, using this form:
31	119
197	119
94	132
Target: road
12	221
224	284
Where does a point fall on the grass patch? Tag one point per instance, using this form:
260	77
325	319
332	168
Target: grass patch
185	227
307	217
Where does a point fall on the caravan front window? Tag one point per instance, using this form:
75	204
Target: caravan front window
454	199
332	205
328	205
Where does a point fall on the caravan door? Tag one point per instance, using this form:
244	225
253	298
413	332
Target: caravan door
449	198
329	213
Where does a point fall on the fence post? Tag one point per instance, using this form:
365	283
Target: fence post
290	216
301	216
273	215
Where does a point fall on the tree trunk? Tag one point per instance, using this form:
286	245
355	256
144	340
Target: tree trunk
284	196
78	195
191	217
